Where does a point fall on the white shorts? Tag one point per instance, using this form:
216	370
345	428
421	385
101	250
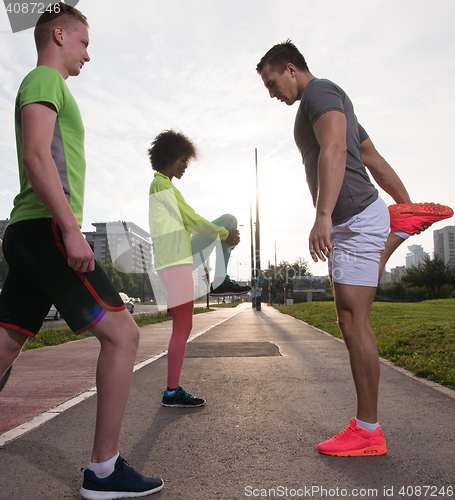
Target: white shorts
358	245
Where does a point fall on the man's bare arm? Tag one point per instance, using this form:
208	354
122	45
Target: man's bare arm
383	173
330	131
38	123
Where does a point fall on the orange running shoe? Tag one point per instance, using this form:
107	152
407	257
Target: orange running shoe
409	217
355	442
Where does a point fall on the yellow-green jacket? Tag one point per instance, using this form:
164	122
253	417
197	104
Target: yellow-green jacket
172	222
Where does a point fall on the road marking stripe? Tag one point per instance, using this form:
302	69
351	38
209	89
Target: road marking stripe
35	422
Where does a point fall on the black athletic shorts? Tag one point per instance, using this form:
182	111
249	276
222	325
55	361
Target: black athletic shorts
39	276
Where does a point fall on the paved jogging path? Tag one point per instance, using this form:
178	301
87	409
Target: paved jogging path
275	388
42	379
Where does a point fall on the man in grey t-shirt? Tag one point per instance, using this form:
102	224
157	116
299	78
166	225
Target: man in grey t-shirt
356	192
351	226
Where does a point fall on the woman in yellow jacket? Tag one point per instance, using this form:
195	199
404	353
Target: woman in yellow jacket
182	239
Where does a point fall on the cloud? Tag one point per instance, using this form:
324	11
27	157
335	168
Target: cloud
191	66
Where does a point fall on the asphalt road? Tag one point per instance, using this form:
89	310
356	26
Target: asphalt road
138	309
275	387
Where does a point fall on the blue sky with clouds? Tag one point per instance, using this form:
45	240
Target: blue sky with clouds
190	65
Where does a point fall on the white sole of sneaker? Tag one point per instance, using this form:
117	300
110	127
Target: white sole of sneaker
183	406
113	495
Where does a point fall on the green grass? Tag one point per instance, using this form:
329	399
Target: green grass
417	336
53	336
63	334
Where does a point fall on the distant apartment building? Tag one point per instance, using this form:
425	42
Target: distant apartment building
386	278
444	244
396	273
415	256
124	244
3	224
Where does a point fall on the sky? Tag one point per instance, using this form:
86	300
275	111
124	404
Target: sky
190	66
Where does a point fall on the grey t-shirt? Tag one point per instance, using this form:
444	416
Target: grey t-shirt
363	135
357	191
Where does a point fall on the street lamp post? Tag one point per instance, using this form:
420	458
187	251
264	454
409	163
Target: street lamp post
253	274
258	241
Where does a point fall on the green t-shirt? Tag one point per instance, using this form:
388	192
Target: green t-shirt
45	84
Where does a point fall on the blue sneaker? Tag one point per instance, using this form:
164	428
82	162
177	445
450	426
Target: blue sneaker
124	482
181	399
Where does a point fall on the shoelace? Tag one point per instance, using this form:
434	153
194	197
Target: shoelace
228	280
344	435
124	465
186	395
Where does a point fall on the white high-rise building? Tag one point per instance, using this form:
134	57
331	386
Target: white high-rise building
124	244
444	244
416	256
396	273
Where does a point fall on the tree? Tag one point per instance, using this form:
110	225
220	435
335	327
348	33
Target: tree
142	283
133	284
431	275
277	276
113	275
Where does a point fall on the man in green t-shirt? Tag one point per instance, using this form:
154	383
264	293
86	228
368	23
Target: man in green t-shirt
50	262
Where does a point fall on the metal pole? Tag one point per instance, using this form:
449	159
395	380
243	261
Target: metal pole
275	261
144	269
207	279
253	281
258	243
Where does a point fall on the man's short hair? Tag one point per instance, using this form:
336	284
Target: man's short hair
168	147
280	55
60	16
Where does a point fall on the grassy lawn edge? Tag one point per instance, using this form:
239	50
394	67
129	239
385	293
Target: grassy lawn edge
419	337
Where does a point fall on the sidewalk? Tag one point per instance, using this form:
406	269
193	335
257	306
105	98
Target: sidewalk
42	379
275	387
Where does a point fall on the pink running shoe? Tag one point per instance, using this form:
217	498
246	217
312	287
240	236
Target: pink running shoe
409	217
355	442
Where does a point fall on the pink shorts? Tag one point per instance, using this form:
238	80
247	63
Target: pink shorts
179	284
